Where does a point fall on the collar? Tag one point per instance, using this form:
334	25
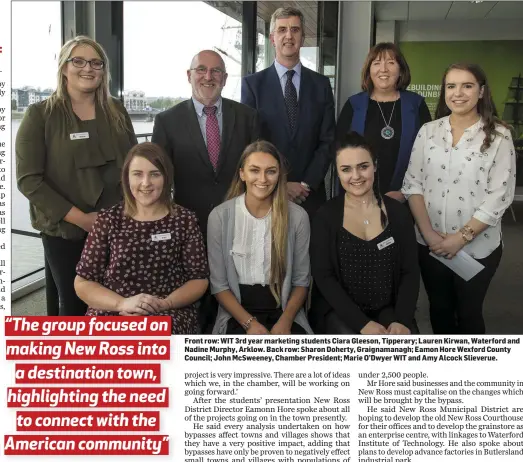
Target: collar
471	131
245	210
281	70
199	106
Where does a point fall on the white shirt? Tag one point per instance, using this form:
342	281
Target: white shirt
282	74
461	182
251	246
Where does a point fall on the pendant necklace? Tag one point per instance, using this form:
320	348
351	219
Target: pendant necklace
365	222
387	132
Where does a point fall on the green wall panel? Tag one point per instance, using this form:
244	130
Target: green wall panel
501	60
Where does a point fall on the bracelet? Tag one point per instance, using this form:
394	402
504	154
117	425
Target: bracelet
247	323
305	185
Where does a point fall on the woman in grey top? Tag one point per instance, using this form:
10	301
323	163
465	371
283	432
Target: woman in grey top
258	245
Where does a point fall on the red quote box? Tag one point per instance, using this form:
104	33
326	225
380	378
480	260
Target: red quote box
116	350
109	421
27	397
33	326
88	445
87	373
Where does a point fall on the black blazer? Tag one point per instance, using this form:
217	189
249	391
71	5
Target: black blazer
330	293
196	185
309	149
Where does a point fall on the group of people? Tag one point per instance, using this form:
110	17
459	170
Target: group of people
226	191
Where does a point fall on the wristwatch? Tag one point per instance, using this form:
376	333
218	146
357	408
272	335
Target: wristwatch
305	185
467	233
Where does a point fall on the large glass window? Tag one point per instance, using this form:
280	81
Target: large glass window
158	53
36	42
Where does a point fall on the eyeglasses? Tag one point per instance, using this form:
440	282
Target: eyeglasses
202	70
96	64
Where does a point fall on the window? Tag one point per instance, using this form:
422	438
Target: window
320	47
36	34
157	53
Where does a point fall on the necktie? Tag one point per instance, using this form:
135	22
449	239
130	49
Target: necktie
212	133
291	100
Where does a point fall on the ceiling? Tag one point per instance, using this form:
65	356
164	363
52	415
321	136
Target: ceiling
435	11
266	8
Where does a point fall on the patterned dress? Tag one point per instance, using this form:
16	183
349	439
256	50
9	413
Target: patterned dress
157	257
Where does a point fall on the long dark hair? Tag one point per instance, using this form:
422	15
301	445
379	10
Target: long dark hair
486	107
355	140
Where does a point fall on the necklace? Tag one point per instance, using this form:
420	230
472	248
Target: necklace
365	220
387	132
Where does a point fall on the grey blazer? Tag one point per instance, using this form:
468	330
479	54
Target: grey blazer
220	235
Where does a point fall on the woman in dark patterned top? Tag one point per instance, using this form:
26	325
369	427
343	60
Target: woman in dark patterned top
145	256
363	253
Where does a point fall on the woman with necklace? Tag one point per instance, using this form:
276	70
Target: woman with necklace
146	255
460	181
387	115
258	244
363	253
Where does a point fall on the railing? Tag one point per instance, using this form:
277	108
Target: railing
141	138
144	135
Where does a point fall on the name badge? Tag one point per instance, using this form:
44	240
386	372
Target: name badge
79	136
385	243
160	237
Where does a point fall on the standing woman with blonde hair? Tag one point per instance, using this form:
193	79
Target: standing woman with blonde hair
258	244
70	150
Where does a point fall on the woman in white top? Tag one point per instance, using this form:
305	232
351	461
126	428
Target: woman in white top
460	181
258	244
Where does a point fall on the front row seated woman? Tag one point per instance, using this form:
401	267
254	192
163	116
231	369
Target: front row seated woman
145	256
363	253
258	246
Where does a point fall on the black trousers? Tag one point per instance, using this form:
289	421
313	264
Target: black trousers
51	293
335	326
62	256
456	306
260	303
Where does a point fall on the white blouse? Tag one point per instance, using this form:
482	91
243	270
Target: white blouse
251	247
461	182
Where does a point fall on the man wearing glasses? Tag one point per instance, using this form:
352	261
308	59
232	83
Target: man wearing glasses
296	108
205	137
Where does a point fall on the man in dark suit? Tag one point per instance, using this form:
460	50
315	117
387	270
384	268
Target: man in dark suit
204	137
296	108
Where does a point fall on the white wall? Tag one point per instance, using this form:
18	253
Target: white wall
354	41
482	29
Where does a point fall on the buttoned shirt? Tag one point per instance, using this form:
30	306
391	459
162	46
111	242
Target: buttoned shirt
282	74
202	118
251	248
461	182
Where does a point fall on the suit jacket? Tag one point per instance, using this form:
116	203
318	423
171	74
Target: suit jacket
196	185
309	148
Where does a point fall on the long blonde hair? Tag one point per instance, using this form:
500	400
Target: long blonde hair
60	97
279	213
